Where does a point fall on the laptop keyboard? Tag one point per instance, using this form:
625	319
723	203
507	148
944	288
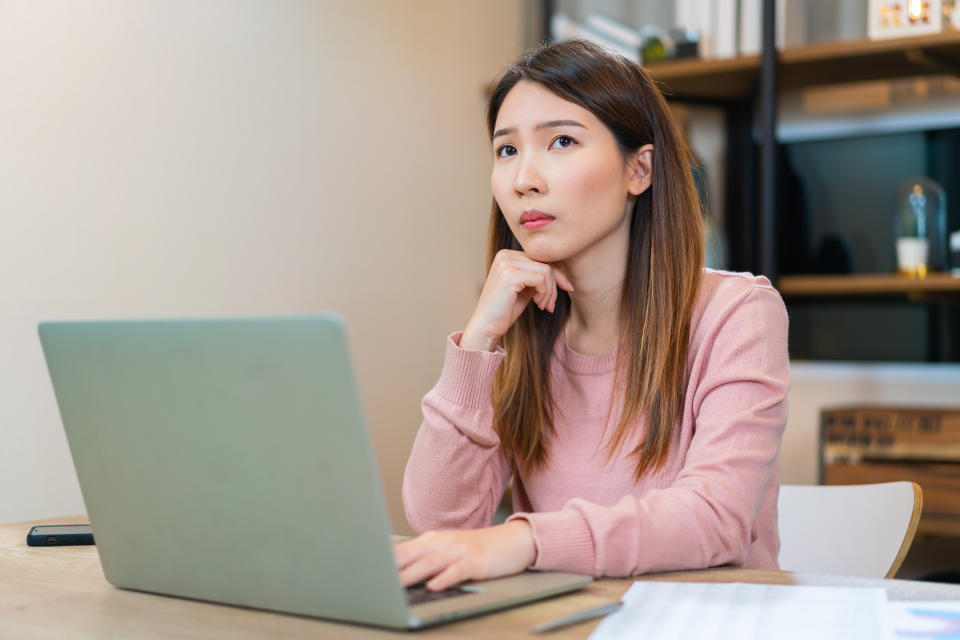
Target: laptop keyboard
418	593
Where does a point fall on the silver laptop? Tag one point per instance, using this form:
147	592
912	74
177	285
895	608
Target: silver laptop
228	460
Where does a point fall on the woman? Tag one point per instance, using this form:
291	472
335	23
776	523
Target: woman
636	399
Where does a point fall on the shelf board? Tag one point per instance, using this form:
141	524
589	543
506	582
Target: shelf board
867	285
693	78
830	63
863	60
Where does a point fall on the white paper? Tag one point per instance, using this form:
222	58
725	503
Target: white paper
735	611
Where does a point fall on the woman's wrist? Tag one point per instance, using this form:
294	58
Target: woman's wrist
474	340
526	546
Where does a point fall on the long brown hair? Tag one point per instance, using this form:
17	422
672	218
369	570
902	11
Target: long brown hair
663	264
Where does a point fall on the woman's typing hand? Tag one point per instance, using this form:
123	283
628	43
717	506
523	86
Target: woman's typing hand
446	558
514	280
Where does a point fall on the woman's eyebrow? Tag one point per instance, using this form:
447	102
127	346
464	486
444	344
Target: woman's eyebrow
550	124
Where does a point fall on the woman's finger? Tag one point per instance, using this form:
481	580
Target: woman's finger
408	551
534	278
520	259
453	574
562	281
548	289
427	567
547	286
553	292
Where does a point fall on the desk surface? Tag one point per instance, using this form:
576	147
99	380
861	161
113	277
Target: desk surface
61	592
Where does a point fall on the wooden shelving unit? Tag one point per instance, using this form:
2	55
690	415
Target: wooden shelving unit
832	63
694	79
747	89
935	284
863	60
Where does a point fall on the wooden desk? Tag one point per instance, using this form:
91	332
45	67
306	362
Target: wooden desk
60	592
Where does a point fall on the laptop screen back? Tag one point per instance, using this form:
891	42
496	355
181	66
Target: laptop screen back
228	460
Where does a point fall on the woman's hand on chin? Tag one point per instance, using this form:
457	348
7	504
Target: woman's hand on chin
446	558
514	280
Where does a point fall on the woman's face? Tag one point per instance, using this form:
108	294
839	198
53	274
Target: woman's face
561	181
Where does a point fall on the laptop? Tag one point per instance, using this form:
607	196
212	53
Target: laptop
227	460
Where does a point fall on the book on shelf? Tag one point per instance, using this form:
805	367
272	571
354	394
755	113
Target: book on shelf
563	27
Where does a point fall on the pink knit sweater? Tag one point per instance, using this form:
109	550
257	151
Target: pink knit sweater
713	502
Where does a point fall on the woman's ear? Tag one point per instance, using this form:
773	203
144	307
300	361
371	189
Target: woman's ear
640	169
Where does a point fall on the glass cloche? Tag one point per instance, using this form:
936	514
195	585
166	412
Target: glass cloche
920	227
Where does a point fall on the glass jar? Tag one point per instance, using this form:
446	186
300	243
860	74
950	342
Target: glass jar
920	227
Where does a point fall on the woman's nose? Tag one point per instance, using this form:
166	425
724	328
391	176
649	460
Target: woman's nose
528	178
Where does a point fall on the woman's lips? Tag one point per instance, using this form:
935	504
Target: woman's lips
536	224
535	219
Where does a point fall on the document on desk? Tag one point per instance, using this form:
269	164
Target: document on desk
701	611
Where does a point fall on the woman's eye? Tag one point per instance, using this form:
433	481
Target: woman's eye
562	142
506	150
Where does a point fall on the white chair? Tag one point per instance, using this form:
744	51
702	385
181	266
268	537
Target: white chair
853	530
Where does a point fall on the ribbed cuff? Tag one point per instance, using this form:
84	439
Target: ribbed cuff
467	376
563	541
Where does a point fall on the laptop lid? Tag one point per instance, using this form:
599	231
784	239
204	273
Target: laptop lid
227	459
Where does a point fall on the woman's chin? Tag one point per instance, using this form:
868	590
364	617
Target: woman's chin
543	252
545	256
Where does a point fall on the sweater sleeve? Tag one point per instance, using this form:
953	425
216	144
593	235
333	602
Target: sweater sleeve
708	515
456	473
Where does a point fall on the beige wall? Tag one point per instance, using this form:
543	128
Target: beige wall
182	158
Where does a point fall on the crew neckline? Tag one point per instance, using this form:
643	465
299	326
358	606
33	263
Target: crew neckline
583	363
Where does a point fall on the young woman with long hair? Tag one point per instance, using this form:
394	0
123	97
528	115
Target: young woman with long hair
636	399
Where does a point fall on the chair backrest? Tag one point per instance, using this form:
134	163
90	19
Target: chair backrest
854	530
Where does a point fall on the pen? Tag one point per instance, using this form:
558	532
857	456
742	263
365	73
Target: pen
580	616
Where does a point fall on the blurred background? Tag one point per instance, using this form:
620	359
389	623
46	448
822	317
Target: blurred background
168	159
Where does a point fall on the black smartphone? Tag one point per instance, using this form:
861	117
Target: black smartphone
47	535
